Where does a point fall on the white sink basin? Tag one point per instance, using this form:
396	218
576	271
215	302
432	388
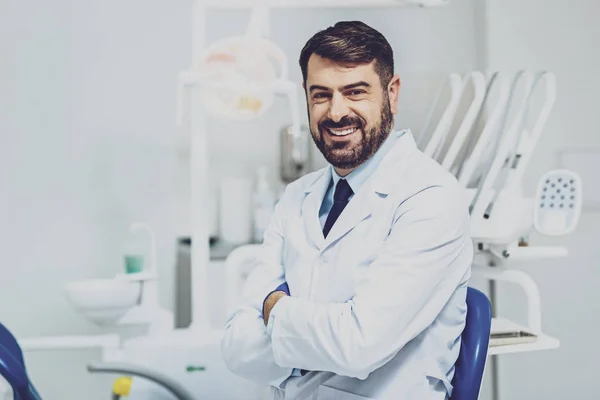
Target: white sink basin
103	301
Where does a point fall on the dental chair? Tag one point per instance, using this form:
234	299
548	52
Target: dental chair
12	367
470	366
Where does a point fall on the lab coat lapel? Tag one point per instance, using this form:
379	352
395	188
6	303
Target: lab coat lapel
358	209
311	206
387	175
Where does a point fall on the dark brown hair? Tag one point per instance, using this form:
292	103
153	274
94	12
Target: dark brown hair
350	43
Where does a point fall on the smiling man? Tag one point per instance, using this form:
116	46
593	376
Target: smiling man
360	284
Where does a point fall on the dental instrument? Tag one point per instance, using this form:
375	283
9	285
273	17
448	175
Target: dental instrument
466	126
431	145
477	148
490	143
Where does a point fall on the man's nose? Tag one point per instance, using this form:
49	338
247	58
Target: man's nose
338	108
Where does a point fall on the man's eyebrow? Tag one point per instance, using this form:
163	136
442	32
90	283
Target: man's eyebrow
350	86
355	85
317	87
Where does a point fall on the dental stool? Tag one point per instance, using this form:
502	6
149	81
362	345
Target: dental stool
475	340
12	367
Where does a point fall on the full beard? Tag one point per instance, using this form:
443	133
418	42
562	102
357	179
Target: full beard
349	155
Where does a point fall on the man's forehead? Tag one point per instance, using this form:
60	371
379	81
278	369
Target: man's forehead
326	72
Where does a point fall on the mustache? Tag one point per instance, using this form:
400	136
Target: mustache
345	121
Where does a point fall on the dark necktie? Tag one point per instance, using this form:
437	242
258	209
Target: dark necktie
343	191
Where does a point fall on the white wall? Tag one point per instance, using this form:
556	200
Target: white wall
87	104
87	110
562	37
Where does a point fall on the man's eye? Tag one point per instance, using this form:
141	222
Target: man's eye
321	95
355	92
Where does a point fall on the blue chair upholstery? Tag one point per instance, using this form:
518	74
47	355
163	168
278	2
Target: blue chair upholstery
474	347
12	367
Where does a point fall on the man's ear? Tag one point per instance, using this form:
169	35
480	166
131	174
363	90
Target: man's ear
393	92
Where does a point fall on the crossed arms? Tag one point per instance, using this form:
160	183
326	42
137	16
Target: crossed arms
423	260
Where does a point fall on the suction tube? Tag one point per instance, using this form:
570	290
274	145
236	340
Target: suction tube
120	368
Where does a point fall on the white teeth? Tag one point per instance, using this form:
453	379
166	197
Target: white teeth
342	132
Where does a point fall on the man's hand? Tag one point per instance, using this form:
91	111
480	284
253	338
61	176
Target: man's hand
270	303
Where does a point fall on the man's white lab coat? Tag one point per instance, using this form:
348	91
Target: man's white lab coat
377	308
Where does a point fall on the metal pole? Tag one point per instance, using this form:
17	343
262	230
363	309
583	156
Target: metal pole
199	180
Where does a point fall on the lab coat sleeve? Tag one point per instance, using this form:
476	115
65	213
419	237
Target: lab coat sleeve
426	256
246	347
